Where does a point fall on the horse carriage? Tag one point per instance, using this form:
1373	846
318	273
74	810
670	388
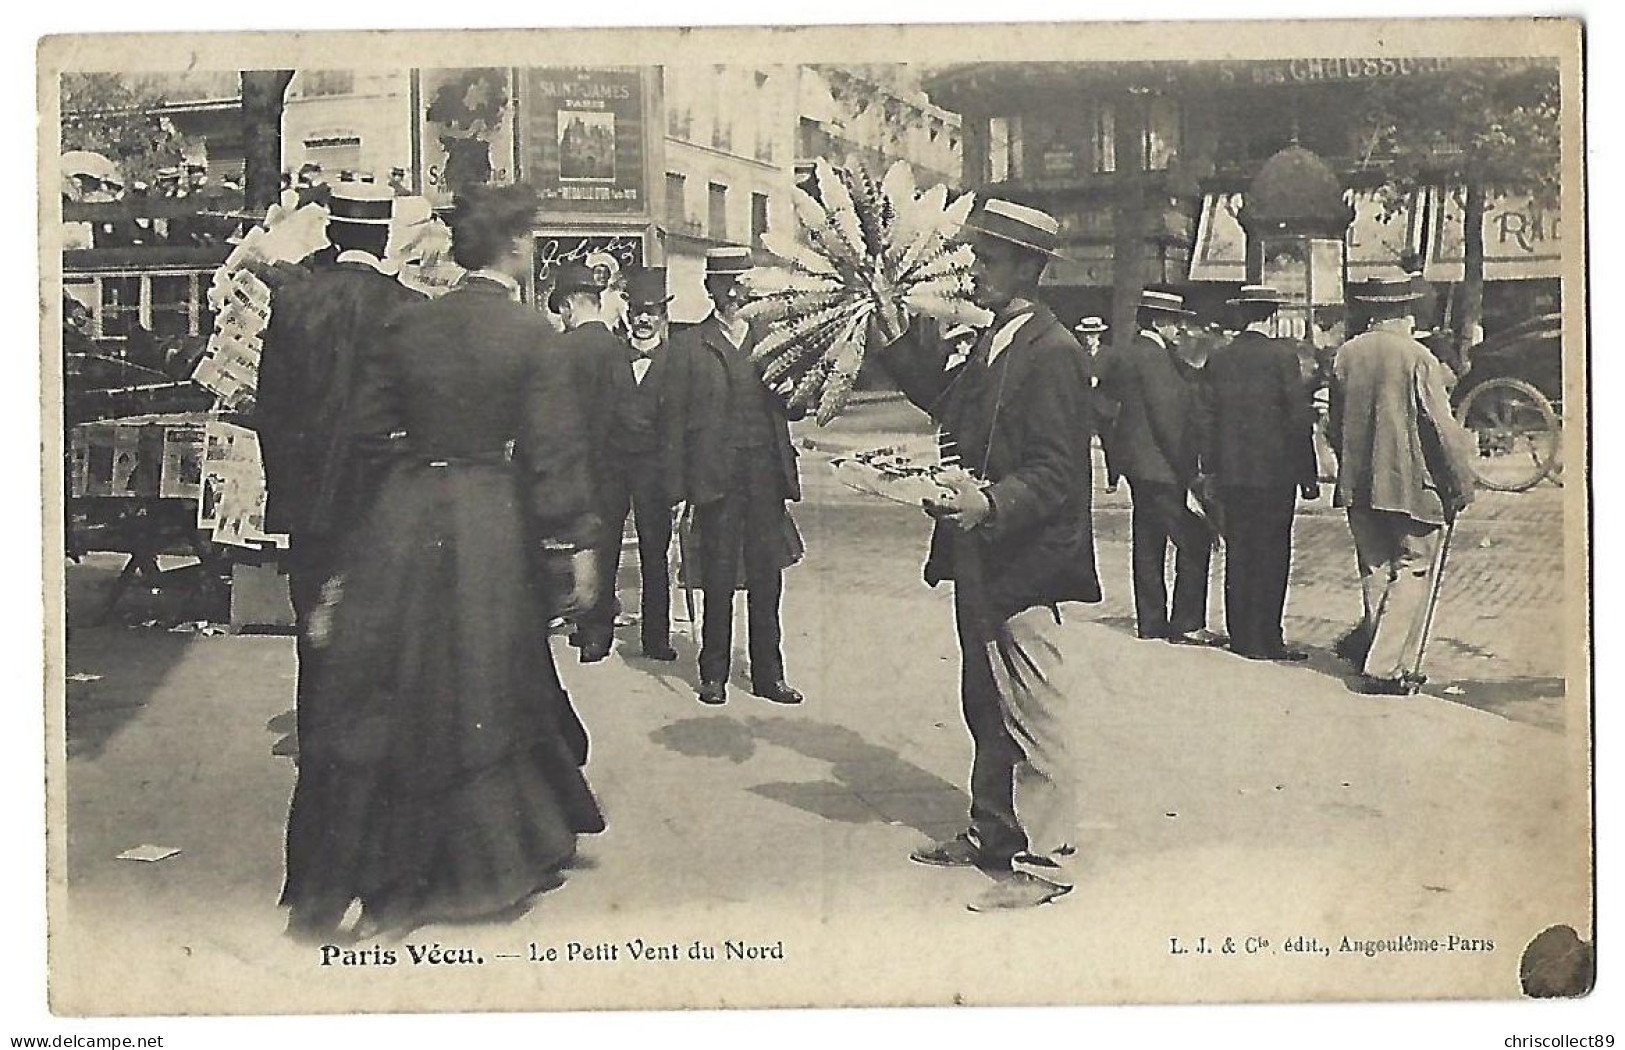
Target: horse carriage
1511	399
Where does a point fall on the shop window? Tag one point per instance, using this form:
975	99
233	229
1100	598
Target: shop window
120	312
171	305
1162	132
1105	138
758	218
716	217
676	200
1004	149
334	153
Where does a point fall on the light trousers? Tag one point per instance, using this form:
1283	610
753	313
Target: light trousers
1398	557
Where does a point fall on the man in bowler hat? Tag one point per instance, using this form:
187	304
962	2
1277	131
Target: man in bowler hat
730	461
1258	452
639	437
604	382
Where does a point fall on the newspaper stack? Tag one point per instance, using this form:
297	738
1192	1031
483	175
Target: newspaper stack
242	301
231	504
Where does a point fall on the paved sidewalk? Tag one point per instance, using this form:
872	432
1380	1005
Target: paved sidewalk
1224	798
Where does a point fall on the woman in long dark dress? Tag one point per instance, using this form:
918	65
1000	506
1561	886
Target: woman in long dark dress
440	767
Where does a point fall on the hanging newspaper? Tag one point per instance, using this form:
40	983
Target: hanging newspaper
231	503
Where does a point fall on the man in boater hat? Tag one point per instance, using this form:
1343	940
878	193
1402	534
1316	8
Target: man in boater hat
1155	444
1258	450
1404	473
1016	539
307	375
1091	333
730	462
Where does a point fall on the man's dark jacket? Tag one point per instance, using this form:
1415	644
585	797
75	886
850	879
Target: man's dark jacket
698	415
1156	436
308	372
1256	421
1020	422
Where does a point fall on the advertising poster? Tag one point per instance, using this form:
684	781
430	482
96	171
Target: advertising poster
583	139
465	131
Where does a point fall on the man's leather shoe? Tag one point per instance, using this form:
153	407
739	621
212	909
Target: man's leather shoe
779	692
1283	654
1200	636
1018	890
664	653
957	852
591	654
713	693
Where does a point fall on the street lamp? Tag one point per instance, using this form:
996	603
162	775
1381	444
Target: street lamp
1296	222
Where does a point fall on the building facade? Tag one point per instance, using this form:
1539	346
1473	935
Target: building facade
1145	164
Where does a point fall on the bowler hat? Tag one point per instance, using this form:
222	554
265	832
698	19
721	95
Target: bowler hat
1258	293
1019	224
1384	290
576	277
1165	302
1090	326
729	261
647	287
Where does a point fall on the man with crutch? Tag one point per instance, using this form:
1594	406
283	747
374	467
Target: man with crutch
1404	474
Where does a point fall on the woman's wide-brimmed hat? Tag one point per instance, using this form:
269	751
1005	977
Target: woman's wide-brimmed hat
1385	290
1019	224
1258	293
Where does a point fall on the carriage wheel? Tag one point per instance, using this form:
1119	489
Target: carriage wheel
1518	433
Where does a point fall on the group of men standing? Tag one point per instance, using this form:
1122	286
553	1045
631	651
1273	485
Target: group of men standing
1217	447
685	434
682	434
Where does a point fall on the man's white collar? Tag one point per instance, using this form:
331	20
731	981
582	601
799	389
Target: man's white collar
355	255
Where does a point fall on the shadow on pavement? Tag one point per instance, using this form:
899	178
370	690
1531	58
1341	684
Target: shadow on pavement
866	783
1534	700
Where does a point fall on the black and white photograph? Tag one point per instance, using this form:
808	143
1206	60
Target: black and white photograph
1089	513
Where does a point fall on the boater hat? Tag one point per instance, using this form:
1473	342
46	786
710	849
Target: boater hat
1090	326
647	287
730	261
1258	293
361	203
1385	290
1166	302
1017	223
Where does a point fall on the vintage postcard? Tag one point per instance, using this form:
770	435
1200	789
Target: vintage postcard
844	516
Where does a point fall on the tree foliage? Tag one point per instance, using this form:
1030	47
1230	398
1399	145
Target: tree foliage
1493	124
106	113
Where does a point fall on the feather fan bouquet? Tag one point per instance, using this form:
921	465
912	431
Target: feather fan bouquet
871	255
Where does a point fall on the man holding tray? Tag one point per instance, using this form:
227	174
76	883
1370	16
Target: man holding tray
1014	534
